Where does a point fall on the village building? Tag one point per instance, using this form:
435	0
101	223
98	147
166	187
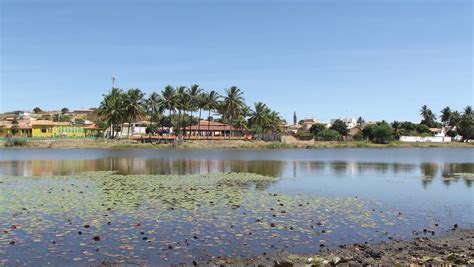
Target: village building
350	122
438	136
213	129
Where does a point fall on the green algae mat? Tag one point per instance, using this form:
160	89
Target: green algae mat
102	217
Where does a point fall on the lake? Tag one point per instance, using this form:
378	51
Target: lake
84	206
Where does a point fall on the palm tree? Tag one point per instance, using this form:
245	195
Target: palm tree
259	116
428	116
212	103
183	101
134	106
468	111
201	103
445	115
241	123
397	126
454	119
111	108
154	106
169	100
233	102
273	121
360	121
194	92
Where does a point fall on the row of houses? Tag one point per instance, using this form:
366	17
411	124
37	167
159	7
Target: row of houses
51	129
306	124
47	129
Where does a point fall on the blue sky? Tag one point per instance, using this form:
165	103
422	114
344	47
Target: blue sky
377	59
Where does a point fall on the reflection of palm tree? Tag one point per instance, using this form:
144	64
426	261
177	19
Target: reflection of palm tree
429	169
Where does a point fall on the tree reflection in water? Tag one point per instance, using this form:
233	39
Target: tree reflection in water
448	172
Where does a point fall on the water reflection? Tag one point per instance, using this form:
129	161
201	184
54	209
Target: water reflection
428	171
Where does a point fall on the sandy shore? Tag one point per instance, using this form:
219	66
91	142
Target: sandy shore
455	247
219	144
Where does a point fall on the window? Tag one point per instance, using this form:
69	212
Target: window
43	130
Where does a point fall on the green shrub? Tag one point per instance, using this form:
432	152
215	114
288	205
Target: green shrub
317	128
328	135
358	136
340	127
382	133
305	136
15	143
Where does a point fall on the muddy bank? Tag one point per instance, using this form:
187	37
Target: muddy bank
455	247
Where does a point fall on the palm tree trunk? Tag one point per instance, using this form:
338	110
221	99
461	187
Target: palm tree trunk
209	124
151	121
129	125
183	135
230	132
171	124
179	124
199	122
189	135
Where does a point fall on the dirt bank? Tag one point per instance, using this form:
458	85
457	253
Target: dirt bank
453	248
218	144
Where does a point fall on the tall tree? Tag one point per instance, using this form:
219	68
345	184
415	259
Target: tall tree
233	102
295	120
274	121
169	100
202	103
445	115
111	108
154	105
194	92
212	103
259	116
454	119
183	101
429	119
397	127
466	124
37	110
341	127
134	106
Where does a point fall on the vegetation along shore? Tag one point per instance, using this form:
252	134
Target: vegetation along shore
214	144
181	114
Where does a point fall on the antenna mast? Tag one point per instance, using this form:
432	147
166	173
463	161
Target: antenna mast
113	81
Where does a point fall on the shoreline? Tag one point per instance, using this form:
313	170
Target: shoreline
218	144
453	247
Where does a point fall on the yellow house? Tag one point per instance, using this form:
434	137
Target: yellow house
49	129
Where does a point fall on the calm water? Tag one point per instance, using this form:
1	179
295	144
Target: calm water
426	187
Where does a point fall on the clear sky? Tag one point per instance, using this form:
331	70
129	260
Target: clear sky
377	59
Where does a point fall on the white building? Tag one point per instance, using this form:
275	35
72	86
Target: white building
350	122
308	122
425	139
